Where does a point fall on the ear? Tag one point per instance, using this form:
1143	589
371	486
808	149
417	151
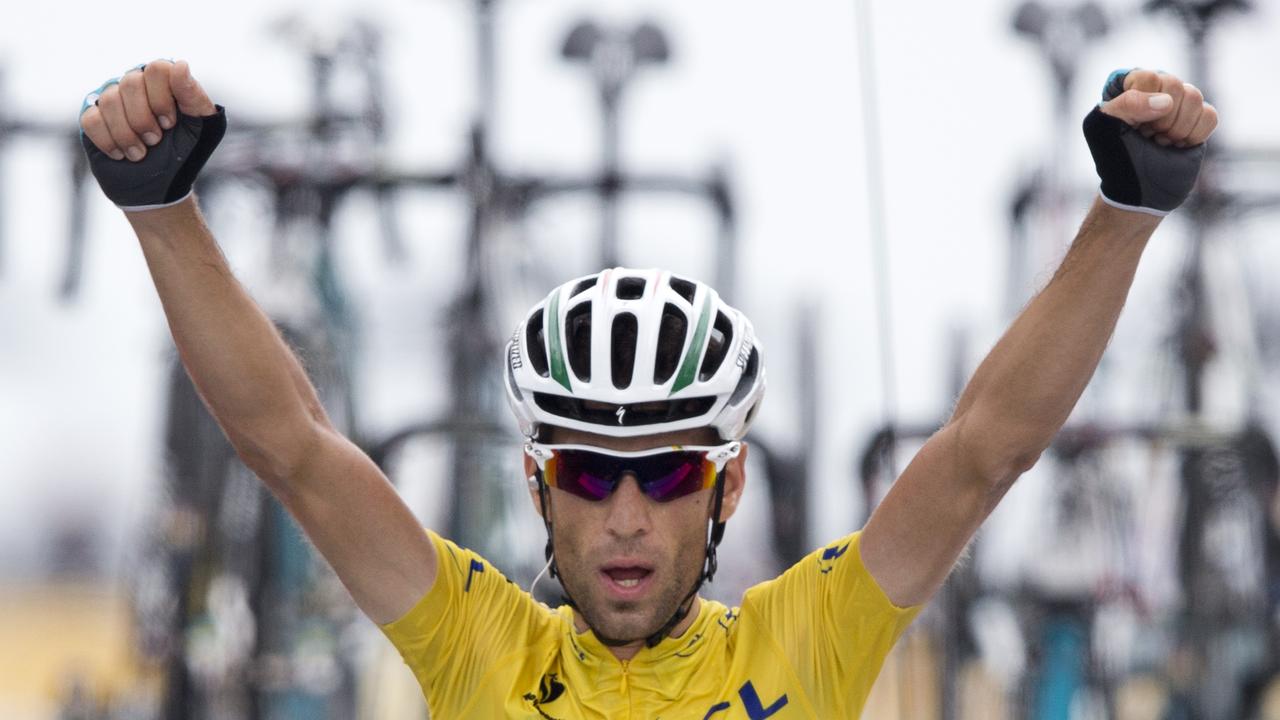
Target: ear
735	480
531	471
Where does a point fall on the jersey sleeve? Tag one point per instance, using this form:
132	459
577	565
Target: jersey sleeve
833	622
467	623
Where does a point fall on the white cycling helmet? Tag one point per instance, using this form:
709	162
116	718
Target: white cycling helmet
634	352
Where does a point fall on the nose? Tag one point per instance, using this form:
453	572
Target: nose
628	509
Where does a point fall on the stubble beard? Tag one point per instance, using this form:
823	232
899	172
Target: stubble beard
620	623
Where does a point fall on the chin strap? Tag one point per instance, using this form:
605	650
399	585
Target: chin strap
715	534
550	552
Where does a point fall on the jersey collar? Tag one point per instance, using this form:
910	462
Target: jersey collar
588	649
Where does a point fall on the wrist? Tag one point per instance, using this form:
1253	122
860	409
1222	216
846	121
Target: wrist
163	218
1123	219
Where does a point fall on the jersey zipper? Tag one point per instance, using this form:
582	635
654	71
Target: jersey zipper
626	686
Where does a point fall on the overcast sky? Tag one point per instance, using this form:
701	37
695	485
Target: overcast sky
965	109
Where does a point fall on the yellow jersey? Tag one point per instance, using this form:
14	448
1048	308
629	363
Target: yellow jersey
807	644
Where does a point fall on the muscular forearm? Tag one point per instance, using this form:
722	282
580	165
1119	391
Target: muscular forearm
1146	138
1026	387
246	374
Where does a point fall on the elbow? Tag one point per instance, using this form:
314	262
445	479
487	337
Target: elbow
1002	470
1010	468
996	456
277	455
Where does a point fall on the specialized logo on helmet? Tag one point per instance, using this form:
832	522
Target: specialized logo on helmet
744	354
513	355
621	411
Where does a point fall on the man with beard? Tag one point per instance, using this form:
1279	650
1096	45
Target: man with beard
634	390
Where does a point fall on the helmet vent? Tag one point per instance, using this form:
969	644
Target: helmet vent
721	337
624	349
536	342
671	334
683	288
637	414
577	333
630	288
584	285
748	379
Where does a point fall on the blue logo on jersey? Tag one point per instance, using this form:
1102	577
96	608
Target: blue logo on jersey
718	707
834	552
476	566
727	619
829	556
751	703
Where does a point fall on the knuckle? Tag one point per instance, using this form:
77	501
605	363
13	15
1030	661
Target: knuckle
91	120
131	82
157	72
110	97
1145	80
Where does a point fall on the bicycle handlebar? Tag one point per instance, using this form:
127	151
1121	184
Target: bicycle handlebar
381	451
1071	441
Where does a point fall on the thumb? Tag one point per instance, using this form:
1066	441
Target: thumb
1137	107
191	98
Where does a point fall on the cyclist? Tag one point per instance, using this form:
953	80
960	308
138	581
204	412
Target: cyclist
634	390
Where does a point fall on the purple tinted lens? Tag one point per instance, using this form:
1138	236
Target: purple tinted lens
586	474
591	486
594	476
678	481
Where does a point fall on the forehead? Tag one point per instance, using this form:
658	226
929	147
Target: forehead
697	436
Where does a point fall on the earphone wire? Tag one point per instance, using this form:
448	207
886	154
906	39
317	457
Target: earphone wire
540	575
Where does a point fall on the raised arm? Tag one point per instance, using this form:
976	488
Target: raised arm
156	123
1024	390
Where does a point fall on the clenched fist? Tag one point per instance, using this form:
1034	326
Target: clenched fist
149	133
1163	108
1147	139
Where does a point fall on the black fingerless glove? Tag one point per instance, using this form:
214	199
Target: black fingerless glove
165	176
1136	172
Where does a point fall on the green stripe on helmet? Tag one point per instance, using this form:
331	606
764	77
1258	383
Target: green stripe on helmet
689	366
558	370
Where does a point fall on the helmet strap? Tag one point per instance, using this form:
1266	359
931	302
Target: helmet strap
714	536
544	496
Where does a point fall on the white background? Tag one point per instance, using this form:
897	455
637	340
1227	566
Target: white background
770	89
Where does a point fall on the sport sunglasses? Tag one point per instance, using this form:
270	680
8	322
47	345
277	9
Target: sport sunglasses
664	473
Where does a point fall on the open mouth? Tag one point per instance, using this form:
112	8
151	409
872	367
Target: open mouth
626	579
627	576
